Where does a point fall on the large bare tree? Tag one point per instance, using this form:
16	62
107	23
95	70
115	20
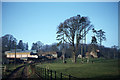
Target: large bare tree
73	30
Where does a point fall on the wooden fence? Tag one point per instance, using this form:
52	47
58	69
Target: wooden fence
47	74
3	68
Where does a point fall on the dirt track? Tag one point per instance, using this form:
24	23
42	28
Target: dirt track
22	73
19	73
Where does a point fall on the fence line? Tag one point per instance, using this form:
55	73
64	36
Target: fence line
48	74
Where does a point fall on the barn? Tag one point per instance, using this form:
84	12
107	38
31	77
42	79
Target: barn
21	54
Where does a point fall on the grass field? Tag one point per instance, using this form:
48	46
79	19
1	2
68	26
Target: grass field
106	68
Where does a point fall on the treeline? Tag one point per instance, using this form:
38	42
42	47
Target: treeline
9	42
106	52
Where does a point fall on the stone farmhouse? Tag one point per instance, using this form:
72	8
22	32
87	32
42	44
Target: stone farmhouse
50	55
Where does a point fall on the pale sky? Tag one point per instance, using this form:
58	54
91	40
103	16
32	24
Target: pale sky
38	21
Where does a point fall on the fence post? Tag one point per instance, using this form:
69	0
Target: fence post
69	77
51	74
40	71
32	66
48	74
55	75
45	73
61	76
5	68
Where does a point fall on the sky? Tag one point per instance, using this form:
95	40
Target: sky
38	21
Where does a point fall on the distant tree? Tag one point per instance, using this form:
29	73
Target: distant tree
8	42
68	52
26	46
13	44
21	45
114	47
37	46
73	29
94	40
54	48
34	46
100	34
47	47
94	44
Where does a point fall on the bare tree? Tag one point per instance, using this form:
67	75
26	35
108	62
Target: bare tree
72	29
8	42
37	46
21	45
61	38
115	50
100	34
94	43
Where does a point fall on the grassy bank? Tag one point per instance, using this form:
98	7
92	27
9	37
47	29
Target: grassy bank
99	68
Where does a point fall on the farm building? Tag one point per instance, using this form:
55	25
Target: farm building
21	54
94	54
49	55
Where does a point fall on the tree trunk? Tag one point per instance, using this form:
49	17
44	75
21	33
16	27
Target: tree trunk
74	57
73	49
63	54
114	54
77	43
85	41
76	51
82	48
81	51
15	55
108	55
88	60
100	40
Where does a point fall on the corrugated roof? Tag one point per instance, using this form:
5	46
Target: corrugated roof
21	51
18	53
